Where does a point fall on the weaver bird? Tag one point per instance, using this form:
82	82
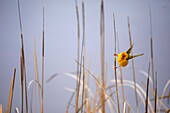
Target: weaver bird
124	57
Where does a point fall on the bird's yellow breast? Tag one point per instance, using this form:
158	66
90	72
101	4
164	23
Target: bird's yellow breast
122	59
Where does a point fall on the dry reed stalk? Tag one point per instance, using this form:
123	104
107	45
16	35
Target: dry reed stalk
0	108
95	98
78	52
10	97
23	68
36	76
128	109
87	81
22	86
98	83
151	46
102	42
82	48
99	106
25	80
147	90
81	107
120	69
88	106
83	85
42	102
133	65
155	106
115	72
124	107
160	97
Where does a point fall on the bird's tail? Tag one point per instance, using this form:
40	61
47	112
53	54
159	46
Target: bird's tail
136	55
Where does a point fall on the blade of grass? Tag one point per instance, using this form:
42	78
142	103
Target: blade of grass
83	85
133	65
147	90
82	48
115	72
10	97
36	76
87	81
102	42
98	83
120	69
95	98
23	68
42	102
151	46
22	86
78	52
155	107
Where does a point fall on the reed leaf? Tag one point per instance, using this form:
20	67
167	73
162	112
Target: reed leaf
147	90
133	65
102	45
10	97
115	71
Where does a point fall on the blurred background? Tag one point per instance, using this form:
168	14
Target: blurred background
61	44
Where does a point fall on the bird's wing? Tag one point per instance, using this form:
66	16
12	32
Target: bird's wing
130	49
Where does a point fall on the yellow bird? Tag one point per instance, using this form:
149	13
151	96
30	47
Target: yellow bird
123	57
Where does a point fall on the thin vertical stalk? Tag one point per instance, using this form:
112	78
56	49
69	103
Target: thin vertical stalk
78	52
151	46
121	75
115	72
22	86
42	104
83	86
147	90
82	48
133	65
23	59
102	42
124	107
155	106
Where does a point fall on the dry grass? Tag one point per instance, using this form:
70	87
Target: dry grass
10	97
115	71
102	45
105	95
133	65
